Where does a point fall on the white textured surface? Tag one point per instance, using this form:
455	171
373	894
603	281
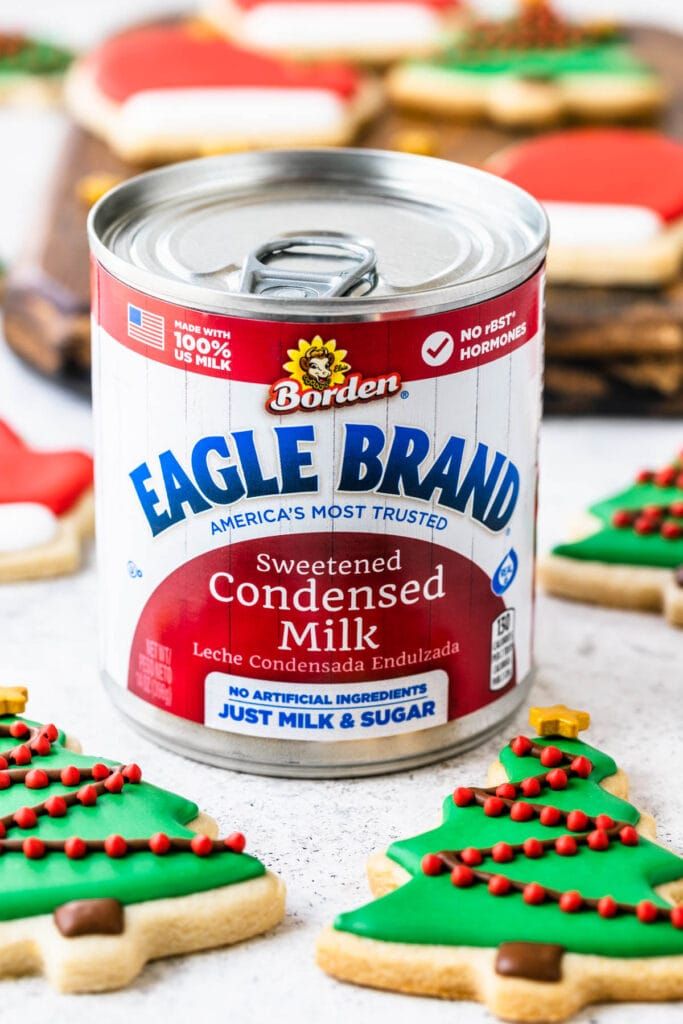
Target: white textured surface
624	667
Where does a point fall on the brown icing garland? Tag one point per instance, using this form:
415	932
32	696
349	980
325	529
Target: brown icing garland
103	916
536	961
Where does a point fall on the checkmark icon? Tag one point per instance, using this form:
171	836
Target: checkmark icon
437	349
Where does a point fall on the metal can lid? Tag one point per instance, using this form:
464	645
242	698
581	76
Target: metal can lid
319	234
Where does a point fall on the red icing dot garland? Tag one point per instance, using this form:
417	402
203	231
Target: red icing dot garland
54	479
597	833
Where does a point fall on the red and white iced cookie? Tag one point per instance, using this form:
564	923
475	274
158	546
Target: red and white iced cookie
46	508
614	198
166	91
374	31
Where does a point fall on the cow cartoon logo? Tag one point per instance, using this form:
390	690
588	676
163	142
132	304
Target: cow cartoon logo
317	364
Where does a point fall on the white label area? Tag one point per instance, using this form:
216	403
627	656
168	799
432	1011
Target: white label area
502	649
297	711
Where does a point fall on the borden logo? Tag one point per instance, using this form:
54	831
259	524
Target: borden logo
319	378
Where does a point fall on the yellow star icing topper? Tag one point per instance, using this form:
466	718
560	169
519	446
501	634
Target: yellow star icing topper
13	700
558	720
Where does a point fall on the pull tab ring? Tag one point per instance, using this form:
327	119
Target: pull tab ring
259	276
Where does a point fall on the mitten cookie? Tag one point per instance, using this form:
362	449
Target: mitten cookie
31	70
171	90
103	872
630	554
372	31
615	202
46	508
540	893
533	69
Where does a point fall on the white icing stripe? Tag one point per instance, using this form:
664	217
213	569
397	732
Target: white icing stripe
601	224
25	525
303	26
230	112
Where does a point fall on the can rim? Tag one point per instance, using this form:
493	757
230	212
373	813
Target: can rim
370	307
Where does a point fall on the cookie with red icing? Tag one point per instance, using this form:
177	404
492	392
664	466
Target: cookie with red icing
533	69
614	198
373	31
170	90
540	892
46	508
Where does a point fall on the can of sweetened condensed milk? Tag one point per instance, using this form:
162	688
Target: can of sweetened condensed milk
317	387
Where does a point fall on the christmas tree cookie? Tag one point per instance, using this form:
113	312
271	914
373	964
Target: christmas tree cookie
629	553
46	508
102	872
30	69
532	69
538	894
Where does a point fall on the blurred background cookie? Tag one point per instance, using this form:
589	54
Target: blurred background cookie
31	70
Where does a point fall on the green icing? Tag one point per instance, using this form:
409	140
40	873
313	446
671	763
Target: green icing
610	58
624	546
38	886
33	57
428	910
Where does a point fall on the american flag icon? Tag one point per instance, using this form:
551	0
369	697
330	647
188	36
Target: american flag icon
145	327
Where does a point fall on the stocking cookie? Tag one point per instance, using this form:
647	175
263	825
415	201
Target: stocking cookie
172	90
533	69
540	893
46	508
373	31
630	554
31	70
104	872
615	202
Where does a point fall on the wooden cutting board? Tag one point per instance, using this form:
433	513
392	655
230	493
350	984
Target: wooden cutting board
47	300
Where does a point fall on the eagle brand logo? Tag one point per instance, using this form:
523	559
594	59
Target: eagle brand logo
320	378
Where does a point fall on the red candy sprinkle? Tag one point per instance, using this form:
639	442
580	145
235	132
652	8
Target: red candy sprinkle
566	846
21	755
666	477
33	848
462	876
114	783
100	771
571	901
557	779
521	811
533	848
550	816
629	836
25	817
582	767
502	852
3	763
51	731
598	840
493	806
432	864
654	511
499	885
530	786
645	476
160	844
463	796
671	531
70	776
75	848
471	856
521	745
133	772
677	509
5	780
3	832
577	821
115	846
41	746
607	907
201	845
677	916
551	756
236	842
533	893
36	779
56	806
507	791
643	525
87	795
646	912
604	821
18	730
622	519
